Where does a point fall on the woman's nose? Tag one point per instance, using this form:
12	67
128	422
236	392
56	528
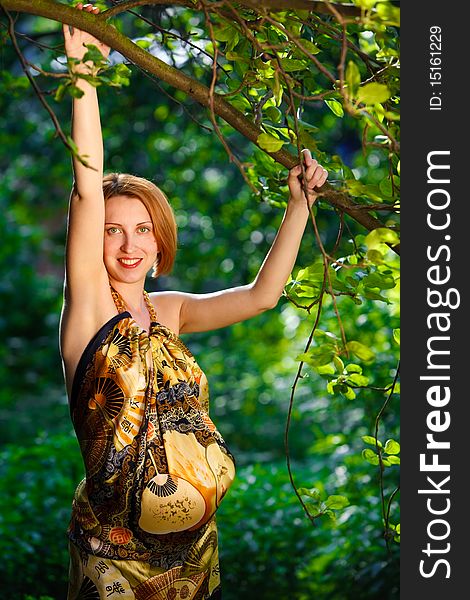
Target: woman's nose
128	244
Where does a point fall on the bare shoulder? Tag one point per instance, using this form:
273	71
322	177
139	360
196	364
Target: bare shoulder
168	308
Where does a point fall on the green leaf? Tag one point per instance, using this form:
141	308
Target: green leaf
328	337
144	43
369	439
331	387
370	456
377	280
385	186
269	143
392	447
367	4
338	364
375	257
309	46
361	351
353	78
236	57
72	145
348	392
357	188
225	34
311	493
379	236
325	369
321	356
273	113
373	93
242	104
306	291
356	379
336	502
394	460
94	55
352	368
313	274
335	107
396	335
373	295
117	76
291	64
390	15
60	91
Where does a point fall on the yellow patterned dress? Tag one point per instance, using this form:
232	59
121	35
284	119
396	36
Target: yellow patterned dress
143	524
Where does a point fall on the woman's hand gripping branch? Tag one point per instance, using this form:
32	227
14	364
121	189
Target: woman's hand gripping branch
76	41
315	176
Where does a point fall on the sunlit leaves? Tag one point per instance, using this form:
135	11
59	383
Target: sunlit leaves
269	142
396	335
378	243
389	14
317	507
373	93
335	107
369	439
306	45
99	73
392	447
226	33
382	454
370	456
353	78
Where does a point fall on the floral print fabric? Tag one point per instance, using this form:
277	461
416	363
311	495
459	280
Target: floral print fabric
156	467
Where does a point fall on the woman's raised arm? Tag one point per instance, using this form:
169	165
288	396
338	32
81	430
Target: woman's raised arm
202	312
86	211
87	300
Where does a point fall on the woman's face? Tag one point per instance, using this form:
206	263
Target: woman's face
130	248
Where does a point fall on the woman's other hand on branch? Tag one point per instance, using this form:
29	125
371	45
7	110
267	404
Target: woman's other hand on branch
315	176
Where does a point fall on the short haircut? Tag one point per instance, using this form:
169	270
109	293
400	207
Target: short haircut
160	211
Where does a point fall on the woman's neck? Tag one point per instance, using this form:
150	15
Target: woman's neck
133	296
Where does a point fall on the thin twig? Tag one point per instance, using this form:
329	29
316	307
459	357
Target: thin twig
289	413
231	156
37	90
379	452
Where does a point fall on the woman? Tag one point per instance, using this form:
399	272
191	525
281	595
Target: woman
156	467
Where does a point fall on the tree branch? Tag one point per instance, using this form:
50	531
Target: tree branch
193	88
345	10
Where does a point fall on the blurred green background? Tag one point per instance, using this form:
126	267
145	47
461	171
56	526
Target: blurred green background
269	549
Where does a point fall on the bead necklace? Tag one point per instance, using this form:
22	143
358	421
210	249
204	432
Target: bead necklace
121	305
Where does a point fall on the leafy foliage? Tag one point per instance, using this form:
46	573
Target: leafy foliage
318	80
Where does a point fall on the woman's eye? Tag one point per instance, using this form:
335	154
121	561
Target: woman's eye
144	229
113	230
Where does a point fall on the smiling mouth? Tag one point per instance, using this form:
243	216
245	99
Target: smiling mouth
130	263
